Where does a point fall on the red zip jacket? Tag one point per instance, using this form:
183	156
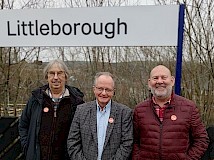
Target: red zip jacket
181	135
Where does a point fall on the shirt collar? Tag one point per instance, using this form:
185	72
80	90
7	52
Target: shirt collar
108	106
167	102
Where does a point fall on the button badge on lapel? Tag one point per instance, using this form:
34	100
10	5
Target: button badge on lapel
46	109
173	117
110	120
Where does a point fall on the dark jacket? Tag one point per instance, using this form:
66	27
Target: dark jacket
30	120
181	135
209	154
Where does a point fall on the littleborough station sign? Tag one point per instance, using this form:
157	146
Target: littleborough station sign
97	26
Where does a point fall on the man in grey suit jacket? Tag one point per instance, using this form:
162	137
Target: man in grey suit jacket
101	129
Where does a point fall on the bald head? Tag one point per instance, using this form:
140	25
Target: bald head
160	69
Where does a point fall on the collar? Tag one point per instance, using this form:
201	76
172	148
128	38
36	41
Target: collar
65	93
108	106
167	102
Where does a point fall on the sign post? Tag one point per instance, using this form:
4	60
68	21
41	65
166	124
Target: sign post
179	50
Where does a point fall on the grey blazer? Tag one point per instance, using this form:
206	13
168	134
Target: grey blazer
82	139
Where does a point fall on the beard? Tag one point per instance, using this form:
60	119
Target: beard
162	94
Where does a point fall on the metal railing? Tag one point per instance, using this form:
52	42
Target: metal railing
11	110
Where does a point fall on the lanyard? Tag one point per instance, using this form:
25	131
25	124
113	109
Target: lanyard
56	100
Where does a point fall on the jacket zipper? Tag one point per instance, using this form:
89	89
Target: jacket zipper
55	109
53	131
52	135
160	147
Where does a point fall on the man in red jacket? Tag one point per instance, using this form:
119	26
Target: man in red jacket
167	126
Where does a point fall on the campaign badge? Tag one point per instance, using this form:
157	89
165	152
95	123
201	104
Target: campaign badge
111	120
46	109
173	117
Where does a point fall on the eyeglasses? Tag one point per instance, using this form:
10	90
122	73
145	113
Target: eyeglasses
60	74
107	90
